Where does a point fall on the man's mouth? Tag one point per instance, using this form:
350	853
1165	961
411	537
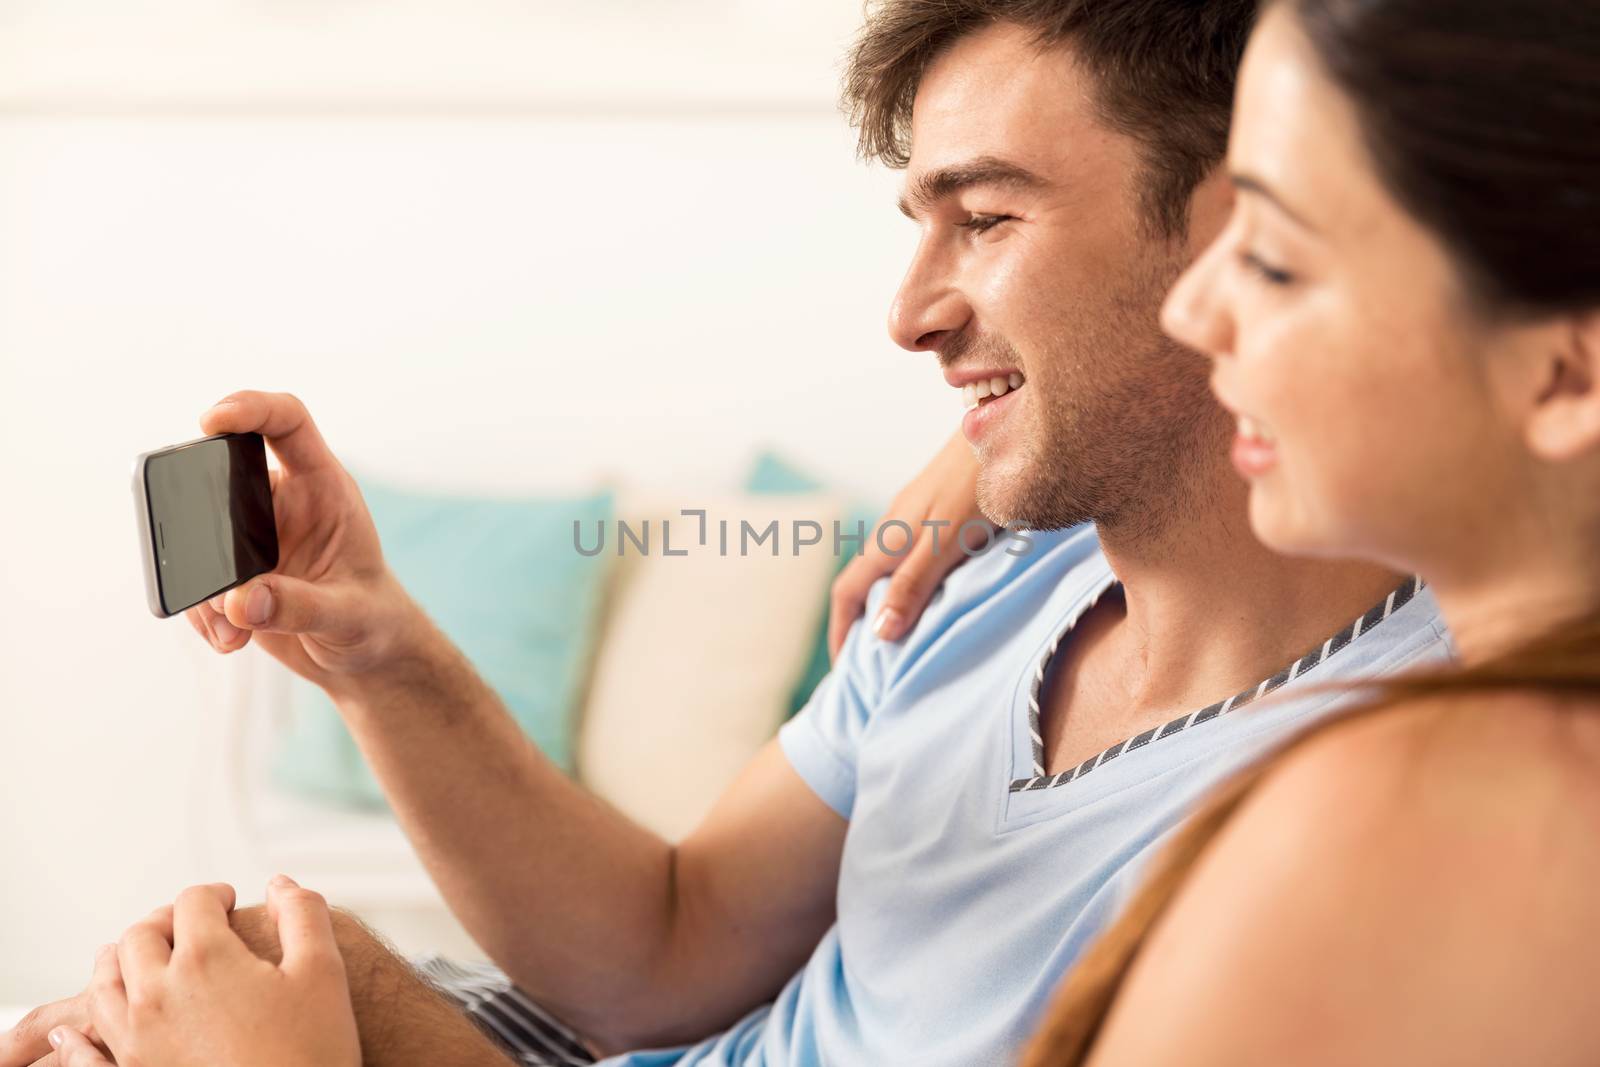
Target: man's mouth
975	394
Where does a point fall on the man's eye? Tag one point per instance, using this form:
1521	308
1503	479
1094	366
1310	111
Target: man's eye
980	223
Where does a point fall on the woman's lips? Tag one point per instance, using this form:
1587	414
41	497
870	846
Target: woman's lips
1255	450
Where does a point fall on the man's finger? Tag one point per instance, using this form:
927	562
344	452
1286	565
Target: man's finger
215	627
27	1041
279	417
75	1050
305	927
276	603
197	620
203	618
200	918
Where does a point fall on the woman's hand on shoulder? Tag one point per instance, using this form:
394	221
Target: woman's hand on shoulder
940	508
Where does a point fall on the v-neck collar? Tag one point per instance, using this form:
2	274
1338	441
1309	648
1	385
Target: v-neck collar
1298	668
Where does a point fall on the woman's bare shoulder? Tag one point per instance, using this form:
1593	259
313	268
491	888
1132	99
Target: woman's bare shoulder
1443	762
1418	879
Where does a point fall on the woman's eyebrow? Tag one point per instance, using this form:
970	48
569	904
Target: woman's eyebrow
1251	184
928	189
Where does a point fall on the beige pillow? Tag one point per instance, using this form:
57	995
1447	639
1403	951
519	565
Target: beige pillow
699	654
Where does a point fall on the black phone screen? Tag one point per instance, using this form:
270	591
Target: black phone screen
211	520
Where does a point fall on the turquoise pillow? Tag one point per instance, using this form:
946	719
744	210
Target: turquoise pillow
771	473
503	579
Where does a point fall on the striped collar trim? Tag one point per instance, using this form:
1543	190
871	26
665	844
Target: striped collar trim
1396	600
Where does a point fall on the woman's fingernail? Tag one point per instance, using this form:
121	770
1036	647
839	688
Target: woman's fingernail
217	602
887	624
57	1036
226	631
258	609
283	881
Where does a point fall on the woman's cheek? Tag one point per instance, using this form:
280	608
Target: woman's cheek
1309	400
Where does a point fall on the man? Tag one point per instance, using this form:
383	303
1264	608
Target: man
907	872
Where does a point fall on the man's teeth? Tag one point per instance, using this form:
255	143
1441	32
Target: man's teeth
1253	430
975	393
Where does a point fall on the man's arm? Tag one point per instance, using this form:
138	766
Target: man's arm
629	939
402	1020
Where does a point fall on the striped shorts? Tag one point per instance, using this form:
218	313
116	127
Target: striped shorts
528	1033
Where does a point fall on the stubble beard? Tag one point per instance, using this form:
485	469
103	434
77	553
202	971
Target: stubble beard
1122	430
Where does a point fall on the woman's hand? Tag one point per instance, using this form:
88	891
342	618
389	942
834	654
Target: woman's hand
946	493
204	999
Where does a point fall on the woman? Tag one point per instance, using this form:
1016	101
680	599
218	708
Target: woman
183	990
1416	366
1404	313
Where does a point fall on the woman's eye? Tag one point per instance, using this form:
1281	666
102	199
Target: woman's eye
1264	270
981	223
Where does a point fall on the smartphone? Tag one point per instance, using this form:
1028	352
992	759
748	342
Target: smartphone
205	519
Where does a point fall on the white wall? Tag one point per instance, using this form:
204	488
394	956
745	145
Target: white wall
478	265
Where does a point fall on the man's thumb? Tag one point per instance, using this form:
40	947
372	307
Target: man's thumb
75	1050
279	604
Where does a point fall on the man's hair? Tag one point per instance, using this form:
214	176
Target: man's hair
1164	70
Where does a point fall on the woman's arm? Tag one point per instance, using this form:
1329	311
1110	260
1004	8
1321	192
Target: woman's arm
935	505
400	1018
203	998
1415	887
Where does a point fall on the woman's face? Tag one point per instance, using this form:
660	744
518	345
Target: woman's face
1365	387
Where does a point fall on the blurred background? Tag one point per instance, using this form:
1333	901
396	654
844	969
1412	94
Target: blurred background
523	261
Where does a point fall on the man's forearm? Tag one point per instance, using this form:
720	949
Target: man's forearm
570	898
402	1020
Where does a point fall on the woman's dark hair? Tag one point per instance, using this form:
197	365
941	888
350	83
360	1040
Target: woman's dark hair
1483	118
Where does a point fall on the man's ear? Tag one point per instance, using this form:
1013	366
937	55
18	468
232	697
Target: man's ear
1564	422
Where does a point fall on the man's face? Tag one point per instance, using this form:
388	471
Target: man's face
1034	262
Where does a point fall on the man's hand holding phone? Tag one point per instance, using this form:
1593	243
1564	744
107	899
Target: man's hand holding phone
331	609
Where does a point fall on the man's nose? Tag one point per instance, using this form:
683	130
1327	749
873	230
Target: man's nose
929	306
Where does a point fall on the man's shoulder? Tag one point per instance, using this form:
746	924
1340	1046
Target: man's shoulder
1015	579
1015	558
1405	631
1019	555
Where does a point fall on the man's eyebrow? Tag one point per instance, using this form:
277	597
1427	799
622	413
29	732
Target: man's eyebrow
1250	183
932	187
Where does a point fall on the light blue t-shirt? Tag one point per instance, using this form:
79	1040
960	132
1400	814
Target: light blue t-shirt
970	881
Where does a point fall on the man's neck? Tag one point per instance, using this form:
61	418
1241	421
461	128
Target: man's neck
1211	611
